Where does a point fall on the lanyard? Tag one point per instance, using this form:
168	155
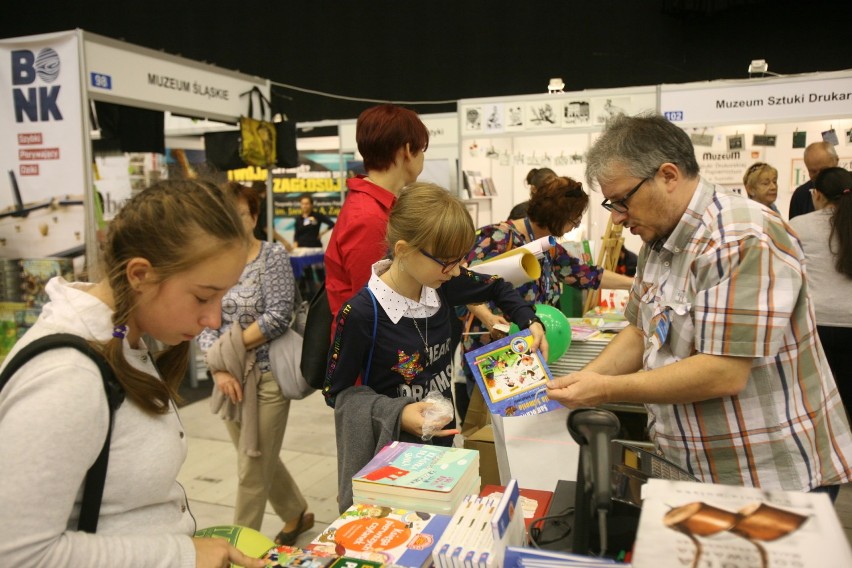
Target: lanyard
546	268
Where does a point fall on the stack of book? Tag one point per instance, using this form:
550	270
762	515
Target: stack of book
382	535
480	531
418	477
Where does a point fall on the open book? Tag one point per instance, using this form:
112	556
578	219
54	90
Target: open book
693	524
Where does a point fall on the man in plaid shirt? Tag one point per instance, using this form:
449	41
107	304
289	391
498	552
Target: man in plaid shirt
722	345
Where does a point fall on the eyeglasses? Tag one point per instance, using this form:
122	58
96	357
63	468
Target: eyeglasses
446	266
620	205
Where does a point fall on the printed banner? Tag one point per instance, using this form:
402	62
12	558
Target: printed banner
749	102
41	150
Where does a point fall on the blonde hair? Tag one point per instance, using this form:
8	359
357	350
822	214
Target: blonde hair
163	224
753	173
426	216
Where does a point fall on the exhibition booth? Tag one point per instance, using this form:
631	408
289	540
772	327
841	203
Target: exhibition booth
482	153
46	135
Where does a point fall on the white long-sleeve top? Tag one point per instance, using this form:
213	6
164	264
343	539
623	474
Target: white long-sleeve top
53	423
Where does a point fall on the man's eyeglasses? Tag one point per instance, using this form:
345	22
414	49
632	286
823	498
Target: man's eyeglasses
446	266
620	205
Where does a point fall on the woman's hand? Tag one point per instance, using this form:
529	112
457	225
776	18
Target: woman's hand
219	553
413	419
229	385
539	339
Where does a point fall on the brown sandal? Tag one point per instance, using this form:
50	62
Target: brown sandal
306	522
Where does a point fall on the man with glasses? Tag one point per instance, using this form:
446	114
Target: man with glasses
818	156
722	345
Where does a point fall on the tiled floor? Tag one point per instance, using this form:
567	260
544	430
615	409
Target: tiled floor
209	474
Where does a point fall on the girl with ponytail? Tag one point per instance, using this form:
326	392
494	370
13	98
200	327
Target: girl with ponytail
171	254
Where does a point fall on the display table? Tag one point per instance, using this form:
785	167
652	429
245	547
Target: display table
302	258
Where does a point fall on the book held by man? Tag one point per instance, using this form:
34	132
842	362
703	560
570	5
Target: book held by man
512	376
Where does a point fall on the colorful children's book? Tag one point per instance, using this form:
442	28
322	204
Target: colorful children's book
397	537
421	470
287	557
511	376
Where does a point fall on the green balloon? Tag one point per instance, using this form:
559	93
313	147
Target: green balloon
557	330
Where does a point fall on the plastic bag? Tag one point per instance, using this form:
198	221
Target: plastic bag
438	413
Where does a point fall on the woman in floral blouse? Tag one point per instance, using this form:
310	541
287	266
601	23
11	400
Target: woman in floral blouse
554	209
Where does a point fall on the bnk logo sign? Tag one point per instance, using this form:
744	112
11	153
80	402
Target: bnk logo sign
38	104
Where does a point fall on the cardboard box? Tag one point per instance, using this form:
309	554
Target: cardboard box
483	441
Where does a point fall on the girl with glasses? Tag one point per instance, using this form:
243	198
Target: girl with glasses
392	344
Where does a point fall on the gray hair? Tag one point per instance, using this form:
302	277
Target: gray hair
640	144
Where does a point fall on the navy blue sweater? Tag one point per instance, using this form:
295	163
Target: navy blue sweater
402	366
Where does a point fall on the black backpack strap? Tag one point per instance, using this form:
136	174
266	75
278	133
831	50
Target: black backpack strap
96	476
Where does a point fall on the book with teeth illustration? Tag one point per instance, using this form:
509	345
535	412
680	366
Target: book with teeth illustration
691	524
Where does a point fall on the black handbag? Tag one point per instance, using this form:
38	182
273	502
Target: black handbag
317	339
222	150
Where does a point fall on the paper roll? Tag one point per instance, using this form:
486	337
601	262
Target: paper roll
517	266
540	246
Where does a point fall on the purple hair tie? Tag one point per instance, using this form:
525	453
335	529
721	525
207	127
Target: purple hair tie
119	331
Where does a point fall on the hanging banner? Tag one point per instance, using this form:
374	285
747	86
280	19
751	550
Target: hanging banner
137	76
758	100
41	151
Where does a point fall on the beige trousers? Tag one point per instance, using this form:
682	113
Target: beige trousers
265	477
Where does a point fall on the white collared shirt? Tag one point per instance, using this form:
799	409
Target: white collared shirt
395	304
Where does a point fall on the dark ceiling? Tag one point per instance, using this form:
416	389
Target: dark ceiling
444	50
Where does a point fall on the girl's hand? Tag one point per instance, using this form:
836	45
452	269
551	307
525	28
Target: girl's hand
229	385
219	553
493	320
412	420
539	339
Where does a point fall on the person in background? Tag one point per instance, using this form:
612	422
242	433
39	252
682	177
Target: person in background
246	394
555	208
818	156
826	236
536	177
307	234
721	345
171	253
377	383
307	231
761	184
260	227
392	141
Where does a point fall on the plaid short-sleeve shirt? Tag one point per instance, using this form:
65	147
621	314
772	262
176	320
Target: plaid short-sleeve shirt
729	281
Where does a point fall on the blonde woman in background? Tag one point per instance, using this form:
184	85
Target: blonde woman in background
761	184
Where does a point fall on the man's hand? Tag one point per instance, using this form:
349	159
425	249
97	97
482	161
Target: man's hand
580	389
